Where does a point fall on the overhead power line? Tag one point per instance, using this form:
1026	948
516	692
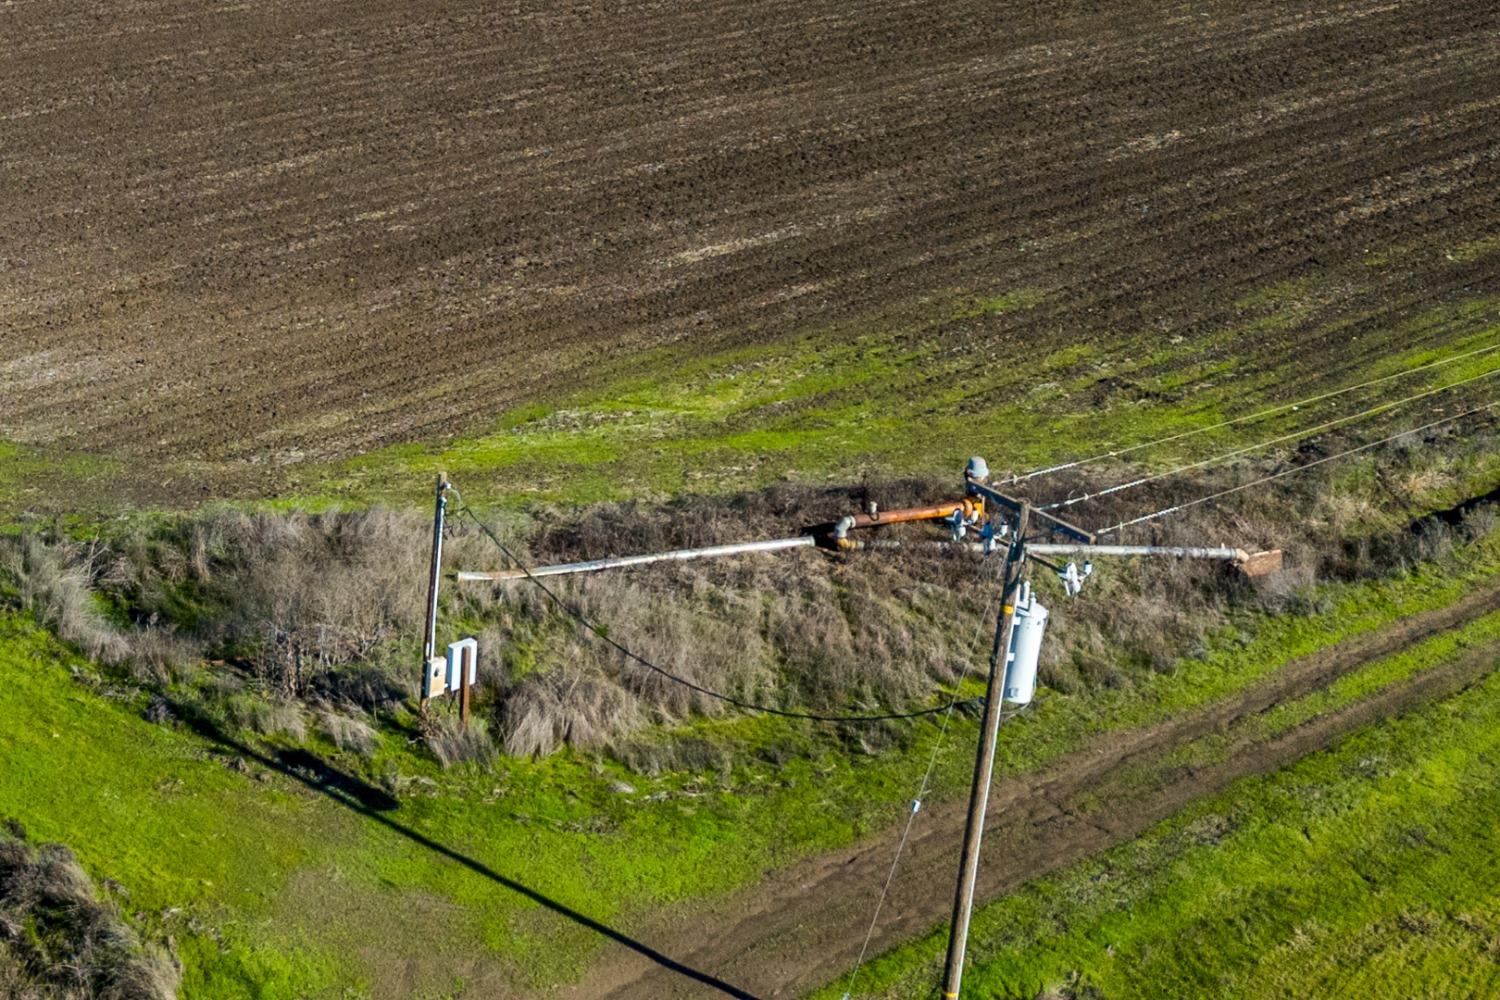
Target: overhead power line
1250	418
1258	446
1300	468
911	816
603	635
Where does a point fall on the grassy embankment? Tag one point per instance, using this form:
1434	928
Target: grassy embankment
1365	870
280	890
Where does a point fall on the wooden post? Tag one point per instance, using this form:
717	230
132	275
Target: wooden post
984	763
465	665
429	640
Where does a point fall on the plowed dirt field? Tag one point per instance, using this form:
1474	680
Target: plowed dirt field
234	232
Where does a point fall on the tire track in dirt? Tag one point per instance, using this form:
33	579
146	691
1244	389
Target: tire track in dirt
802	927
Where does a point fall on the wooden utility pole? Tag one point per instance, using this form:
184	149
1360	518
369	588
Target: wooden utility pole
984	763
429	642
1031	532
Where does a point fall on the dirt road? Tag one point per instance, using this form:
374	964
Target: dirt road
253	234
803	927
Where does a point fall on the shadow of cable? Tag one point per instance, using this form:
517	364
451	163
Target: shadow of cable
362	797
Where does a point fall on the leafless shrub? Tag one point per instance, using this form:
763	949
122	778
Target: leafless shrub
298	594
60	941
1478	522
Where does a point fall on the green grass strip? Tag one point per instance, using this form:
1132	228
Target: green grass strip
1368	870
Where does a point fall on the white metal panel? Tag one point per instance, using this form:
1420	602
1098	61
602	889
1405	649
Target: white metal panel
456	659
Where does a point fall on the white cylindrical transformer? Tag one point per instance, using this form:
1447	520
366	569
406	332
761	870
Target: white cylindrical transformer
1025	649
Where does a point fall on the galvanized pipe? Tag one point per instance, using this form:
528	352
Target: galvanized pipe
615	562
1180	551
1070	549
429	637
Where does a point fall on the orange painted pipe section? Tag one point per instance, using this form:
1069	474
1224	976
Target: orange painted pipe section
933	512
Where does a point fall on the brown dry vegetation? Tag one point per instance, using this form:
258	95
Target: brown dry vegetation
310	621
59	940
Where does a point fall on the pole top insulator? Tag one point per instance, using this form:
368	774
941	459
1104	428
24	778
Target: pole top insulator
978	470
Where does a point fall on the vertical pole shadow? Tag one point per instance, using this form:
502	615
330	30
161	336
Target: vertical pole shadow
372	802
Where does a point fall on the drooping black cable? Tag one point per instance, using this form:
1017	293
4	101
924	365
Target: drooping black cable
603	634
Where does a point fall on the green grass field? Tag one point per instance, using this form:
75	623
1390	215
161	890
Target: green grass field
1368	870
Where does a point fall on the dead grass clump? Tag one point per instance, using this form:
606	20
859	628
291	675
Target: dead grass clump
1290	591
269	716
655	756
298	595
53	579
544	711
160	656
60	941
452	745
348	732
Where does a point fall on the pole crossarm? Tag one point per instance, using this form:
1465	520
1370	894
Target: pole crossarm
1239	557
1039	519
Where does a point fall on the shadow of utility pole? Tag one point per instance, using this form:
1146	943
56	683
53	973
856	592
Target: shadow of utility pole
372	802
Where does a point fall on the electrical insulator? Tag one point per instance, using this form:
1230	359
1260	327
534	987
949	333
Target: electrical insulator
1073	578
